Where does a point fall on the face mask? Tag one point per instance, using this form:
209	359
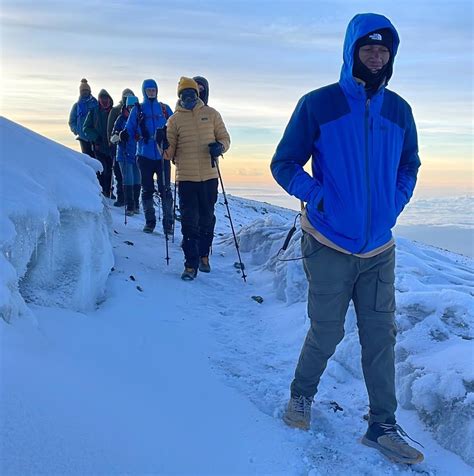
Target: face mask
189	98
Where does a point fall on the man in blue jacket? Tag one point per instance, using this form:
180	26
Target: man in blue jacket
144	120
362	140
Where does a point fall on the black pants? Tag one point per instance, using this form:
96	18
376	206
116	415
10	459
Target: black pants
196	204
148	168
86	147
105	177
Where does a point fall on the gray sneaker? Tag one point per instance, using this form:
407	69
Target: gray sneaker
387	438
298	412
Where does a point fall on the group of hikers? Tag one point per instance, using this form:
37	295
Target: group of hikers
362	141
136	141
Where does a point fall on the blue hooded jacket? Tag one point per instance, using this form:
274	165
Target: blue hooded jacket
125	152
364	153
147	116
78	115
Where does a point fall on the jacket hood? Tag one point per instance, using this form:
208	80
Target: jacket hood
203	82
103	92
149	83
359	26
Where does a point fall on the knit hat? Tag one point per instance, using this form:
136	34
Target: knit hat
187	83
382	37
84	85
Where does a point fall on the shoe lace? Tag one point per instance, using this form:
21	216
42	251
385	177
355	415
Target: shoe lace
302	404
393	430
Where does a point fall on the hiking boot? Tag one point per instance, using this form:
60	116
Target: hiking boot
387	438
204	266
189	274
119	203
129	213
298	412
149	227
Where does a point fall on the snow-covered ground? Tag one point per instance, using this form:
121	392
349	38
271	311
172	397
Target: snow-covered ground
170	377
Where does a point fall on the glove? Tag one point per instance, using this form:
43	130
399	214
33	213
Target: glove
215	149
160	138
124	136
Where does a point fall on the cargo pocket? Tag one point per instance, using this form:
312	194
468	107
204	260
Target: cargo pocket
328	301
385	298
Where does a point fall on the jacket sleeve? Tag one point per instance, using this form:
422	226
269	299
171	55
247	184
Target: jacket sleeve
294	151
168	111
132	122
408	166
88	128
111	120
220	132
172	137
73	119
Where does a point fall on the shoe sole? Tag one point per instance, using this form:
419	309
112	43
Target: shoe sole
294	424
204	270
187	278
390	454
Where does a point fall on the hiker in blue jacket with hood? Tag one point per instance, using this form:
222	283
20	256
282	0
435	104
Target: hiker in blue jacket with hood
126	158
78	115
362	140
145	118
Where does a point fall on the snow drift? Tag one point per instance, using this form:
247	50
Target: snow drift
54	227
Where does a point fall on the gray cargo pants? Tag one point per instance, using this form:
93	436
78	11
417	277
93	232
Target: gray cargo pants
334	279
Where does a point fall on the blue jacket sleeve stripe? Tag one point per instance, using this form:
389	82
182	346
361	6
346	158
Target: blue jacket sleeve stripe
409	161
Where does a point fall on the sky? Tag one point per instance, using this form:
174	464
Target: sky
260	57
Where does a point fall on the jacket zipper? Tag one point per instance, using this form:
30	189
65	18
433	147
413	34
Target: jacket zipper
154	130
367	174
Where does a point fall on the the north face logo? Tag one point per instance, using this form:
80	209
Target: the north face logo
376	36
204	118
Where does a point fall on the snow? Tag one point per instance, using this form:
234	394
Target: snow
170	377
54	228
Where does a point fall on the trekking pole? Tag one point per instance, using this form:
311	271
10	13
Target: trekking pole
174	202
124	181
215	163
163	184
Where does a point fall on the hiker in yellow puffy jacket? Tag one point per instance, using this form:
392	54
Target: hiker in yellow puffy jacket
195	131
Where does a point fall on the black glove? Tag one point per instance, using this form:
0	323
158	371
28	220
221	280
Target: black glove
215	149
124	136
160	138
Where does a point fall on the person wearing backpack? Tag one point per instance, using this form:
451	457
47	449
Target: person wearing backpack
145	118
78	114
126	158
194	133
114	114
95	129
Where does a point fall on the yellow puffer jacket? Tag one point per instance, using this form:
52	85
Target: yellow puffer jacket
189	133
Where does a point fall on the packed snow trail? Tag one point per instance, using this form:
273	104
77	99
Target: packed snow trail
173	377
